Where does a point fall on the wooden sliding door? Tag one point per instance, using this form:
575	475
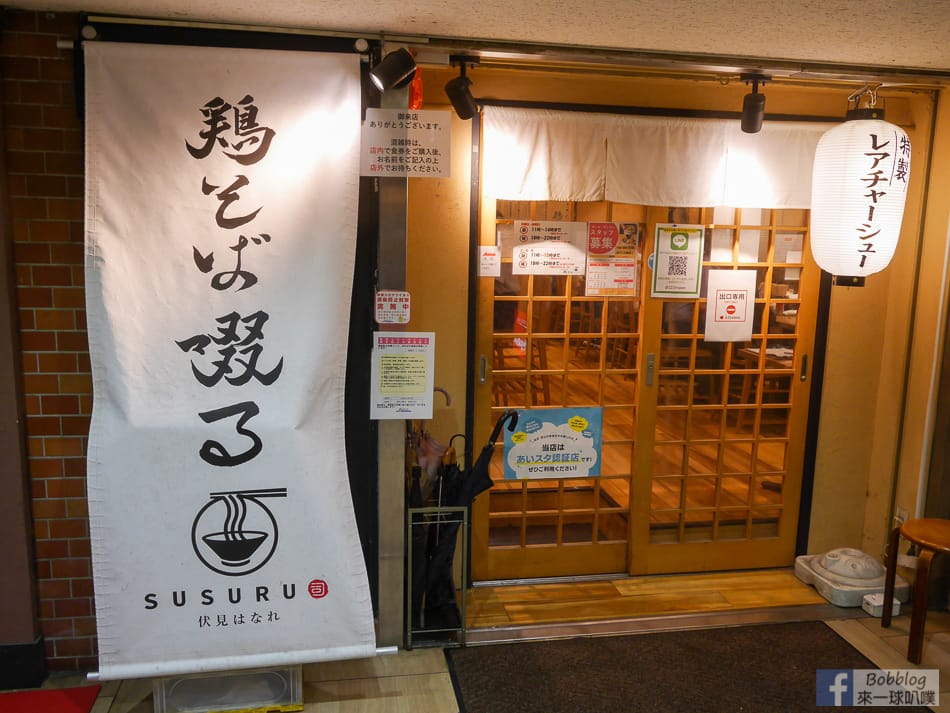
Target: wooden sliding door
702	442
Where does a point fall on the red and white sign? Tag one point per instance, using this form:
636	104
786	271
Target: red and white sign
613	251
602	238
730	305
392	307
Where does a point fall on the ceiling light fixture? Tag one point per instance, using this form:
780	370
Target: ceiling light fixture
753	105
457	90
859	186
395	70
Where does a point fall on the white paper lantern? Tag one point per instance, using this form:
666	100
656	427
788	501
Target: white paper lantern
859	183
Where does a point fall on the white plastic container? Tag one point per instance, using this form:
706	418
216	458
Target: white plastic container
247	691
873	604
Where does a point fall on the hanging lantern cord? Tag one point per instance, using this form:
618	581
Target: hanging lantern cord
869	91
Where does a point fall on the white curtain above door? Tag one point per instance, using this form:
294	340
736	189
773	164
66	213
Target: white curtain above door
542	154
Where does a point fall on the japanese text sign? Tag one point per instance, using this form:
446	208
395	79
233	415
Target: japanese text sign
406	142
555	443
222	190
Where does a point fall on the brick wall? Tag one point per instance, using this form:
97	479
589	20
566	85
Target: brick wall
43	137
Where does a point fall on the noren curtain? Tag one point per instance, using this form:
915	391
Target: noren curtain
540	154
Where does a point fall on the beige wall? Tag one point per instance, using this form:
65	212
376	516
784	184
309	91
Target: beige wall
437	275
929	321
869	432
867	370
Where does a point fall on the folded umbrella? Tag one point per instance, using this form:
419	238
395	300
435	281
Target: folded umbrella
459	490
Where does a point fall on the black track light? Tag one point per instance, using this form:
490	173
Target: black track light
395	70
753	105
457	90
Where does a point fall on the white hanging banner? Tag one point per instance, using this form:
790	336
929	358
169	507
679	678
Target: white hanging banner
221	206
541	154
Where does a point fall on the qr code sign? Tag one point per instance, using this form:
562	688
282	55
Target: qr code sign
678	265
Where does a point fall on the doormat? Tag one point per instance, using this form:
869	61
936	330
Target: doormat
756	669
50	700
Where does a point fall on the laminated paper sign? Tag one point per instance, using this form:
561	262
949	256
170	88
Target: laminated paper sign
393	307
555	443
730	305
678	261
401	375
221	211
406	142
612	253
547	247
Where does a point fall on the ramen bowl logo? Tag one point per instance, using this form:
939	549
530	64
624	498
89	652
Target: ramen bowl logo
235	533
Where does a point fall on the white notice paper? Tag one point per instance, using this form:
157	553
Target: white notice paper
544	247
489	261
730	305
406	142
402	375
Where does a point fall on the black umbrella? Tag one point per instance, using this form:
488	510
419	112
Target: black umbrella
418	545
458	489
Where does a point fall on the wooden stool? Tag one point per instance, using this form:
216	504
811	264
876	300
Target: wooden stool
931	535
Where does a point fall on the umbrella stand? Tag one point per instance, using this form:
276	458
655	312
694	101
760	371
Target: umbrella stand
431	629
458	490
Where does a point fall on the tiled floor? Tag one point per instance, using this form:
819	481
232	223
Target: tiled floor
887	648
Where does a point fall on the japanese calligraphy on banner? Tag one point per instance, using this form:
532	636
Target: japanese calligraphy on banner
678	260
549	248
403	142
222	190
555	443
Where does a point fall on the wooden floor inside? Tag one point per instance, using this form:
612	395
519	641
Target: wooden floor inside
632	597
